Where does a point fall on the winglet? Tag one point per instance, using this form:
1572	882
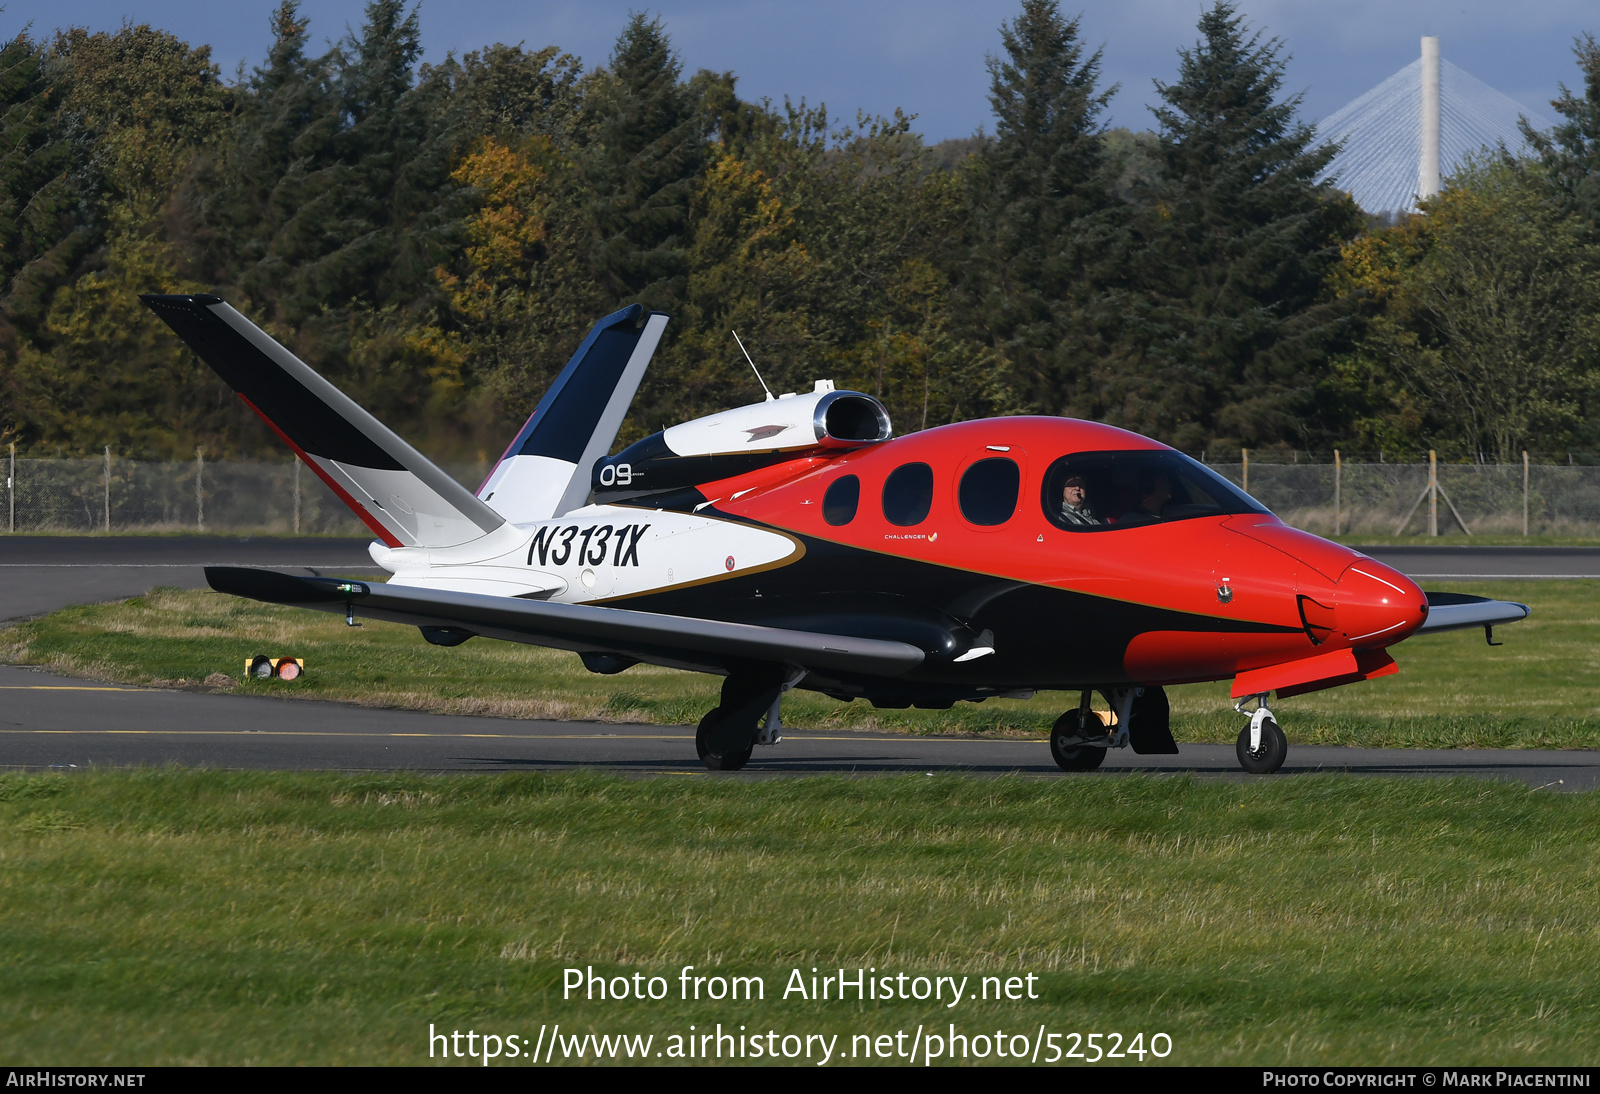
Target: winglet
403	497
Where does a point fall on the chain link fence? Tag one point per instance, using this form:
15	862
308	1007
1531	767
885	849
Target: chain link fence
1396	499
225	496
283	497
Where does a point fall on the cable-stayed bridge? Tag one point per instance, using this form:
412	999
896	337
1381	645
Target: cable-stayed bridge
1430	105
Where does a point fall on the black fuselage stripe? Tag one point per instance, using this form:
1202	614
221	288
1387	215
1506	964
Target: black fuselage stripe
1045	636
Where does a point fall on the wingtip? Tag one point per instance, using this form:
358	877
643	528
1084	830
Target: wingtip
270	586
203	299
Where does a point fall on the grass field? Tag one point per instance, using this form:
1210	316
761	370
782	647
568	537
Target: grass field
169	916
1541	689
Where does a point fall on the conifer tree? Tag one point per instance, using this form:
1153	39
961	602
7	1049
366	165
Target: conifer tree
382	200
1038	206
1570	152
39	233
1225	337
649	146
263	220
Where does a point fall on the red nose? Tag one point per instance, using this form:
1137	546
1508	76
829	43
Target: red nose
1378	605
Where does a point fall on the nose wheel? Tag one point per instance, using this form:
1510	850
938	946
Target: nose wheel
1262	746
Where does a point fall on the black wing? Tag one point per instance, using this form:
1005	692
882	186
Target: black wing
702	645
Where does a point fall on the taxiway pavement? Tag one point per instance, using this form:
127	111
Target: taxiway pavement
41	574
1433	565
55	723
49	722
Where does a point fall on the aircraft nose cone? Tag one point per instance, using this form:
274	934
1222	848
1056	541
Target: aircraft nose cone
1378	605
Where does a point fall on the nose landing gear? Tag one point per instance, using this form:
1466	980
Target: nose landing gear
1262	746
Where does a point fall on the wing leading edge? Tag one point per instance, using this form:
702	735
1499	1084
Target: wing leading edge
704	645
1460	611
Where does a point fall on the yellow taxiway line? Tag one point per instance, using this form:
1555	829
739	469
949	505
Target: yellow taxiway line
69	687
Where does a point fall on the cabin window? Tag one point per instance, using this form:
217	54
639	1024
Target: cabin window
840	502
1102	491
988	492
908	494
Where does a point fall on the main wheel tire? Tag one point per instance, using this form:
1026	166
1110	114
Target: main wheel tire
1071	757
718	761
1270	756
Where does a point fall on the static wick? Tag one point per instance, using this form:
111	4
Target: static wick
753	368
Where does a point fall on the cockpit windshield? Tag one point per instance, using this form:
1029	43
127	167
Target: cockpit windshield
1101	491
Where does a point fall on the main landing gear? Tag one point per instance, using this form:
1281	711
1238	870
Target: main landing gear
746	716
1262	746
1079	739
1140	717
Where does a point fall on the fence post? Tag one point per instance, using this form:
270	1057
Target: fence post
11	486
1246	454
1433	492
108	489
1336	469
199	489
1524	491
297	497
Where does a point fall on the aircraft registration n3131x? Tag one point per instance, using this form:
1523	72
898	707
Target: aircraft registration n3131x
796	543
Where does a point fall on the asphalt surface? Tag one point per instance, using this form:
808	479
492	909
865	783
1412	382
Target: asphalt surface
41	574
1435	564
49	722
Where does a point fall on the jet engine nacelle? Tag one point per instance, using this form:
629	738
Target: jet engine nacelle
740	440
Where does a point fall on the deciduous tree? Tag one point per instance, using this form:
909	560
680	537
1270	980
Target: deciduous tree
1484	336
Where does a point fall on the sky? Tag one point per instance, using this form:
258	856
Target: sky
926	57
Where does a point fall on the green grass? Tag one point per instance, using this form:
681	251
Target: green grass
1540	690
169	916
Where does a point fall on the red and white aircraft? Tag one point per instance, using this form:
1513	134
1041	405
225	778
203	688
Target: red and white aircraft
795	543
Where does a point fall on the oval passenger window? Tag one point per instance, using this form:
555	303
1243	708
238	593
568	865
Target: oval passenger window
988	493
839	503
908	494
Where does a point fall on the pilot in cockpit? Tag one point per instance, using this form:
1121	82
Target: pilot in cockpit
1075	502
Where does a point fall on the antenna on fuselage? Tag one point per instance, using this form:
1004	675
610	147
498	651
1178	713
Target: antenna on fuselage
753	368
